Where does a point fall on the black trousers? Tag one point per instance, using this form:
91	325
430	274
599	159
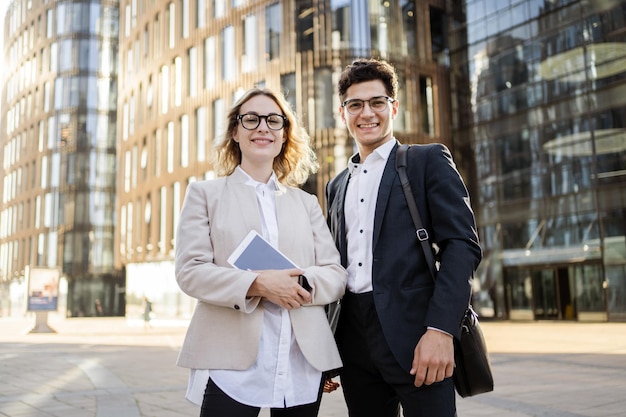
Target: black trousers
217	403
374	383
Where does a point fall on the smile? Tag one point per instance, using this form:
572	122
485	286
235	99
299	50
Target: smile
368	125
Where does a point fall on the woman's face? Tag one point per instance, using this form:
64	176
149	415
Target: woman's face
260	144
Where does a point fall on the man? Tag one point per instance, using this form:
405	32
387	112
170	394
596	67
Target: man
396	326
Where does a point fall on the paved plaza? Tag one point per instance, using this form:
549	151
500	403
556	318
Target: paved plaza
113	367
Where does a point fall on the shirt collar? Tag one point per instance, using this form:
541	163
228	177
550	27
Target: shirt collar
383	152
272	183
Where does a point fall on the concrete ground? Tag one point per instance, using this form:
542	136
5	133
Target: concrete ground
112	367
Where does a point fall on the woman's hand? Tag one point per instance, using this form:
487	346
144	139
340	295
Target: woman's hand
280	287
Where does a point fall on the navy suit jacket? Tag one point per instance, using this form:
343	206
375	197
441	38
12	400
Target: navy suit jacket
407	299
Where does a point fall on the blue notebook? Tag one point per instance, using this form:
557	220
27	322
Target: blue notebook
255	254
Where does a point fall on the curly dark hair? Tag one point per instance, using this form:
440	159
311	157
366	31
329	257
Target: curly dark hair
361	70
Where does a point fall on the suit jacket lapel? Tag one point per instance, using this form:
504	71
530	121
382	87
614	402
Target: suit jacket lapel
340	198
384	192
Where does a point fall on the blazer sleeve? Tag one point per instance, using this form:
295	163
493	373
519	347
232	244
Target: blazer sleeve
196	272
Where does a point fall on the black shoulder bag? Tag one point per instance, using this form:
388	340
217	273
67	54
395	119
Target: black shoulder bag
472	371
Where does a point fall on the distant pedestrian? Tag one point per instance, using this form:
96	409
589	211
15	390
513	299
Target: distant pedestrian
98	307
147	312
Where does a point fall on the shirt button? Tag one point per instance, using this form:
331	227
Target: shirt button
365	171
361	231
362	200
236	307
360	263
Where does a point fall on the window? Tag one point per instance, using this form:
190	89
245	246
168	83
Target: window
305	14
170	147
210	56
184	140
165	88
172	25
185	18
201	121
178	81
273	24
193	72
200	13
219	8
131	118
427	106
134	166
229	67
157	152
218	118
146	42
175	210
163	219
127	171
438	34
250	37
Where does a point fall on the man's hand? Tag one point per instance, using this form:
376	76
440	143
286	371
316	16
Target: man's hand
433	359
280	287
330	385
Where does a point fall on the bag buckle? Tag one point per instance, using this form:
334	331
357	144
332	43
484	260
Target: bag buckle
422	234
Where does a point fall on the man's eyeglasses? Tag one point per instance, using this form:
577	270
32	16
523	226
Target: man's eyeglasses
356	105
251	121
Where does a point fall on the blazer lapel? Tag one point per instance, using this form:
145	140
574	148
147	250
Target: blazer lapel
341	201
245	202
384	193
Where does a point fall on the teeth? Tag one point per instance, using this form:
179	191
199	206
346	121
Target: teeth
369	125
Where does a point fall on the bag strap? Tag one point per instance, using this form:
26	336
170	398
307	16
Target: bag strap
420	231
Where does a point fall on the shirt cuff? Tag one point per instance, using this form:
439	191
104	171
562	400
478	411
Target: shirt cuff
439	330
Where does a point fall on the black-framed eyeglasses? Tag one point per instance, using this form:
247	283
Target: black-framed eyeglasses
356	105
251	121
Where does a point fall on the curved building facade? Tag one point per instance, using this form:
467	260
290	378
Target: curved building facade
183	63
547	84
58	137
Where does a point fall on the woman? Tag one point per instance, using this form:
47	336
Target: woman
258	339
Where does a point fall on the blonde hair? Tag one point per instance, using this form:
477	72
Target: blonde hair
296	160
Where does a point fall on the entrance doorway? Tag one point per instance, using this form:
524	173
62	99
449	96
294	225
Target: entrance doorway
541	292
552	294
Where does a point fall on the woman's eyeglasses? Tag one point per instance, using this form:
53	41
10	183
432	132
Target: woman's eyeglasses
251	121
356	105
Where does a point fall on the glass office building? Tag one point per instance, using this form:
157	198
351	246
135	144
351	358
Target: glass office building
58	147
547	90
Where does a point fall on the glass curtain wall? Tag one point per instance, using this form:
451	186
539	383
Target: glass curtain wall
84	135
62	57
548	130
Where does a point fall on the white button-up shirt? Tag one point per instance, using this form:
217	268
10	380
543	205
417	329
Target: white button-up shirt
281	376
359	211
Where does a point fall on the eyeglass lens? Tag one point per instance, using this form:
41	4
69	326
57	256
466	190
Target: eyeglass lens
377	104
251	121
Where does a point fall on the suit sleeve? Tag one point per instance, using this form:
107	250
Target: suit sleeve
453	229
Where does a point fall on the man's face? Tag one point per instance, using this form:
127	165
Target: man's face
369	127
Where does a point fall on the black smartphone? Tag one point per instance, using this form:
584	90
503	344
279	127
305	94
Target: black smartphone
304	283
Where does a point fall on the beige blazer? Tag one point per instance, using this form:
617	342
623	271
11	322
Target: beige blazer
225	329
